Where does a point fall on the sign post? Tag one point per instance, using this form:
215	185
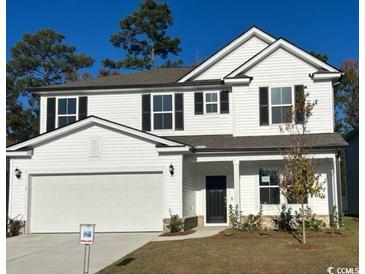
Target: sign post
87	239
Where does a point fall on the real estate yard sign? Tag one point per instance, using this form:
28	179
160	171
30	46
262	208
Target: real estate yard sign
87	234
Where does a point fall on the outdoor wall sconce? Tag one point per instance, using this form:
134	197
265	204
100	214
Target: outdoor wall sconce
171	169
18	173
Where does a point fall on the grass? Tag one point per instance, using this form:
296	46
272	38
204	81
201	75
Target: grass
267	254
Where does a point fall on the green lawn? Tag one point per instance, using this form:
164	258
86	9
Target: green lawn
263	254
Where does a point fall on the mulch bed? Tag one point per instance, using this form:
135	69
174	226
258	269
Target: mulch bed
181	233
279	234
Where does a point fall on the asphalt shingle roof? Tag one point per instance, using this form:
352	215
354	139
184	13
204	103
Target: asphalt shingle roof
157	76
228	142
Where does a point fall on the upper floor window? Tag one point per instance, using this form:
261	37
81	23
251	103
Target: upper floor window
211	102
162	112
66	111
281	103
269	186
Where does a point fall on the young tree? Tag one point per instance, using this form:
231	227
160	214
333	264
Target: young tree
38	59
144	38
299	178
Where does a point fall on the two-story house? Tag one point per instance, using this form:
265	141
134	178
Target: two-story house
125	152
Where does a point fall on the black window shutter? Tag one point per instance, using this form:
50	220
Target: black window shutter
299	104
179	111
146	112
82	107
264	106
51	113
224	97
198	99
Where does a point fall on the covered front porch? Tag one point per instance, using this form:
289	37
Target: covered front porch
213	182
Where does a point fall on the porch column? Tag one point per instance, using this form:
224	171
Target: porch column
236	180
334	183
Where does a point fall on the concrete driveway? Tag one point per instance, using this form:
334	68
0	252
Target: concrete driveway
62	253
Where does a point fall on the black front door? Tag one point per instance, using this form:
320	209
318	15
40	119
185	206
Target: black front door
216	199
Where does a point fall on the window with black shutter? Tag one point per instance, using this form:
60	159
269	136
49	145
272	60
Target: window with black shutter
179	111
299	104
82	107
224	97
198	102
146	112
51	113
264	105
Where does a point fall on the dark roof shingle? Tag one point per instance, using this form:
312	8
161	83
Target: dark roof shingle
228	142
157	76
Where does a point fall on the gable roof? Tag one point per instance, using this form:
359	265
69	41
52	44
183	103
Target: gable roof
157	76
93	120
284	44
224	51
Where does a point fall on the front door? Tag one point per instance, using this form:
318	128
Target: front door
216	199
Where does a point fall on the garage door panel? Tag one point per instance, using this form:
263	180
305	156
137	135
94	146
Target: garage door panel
114	202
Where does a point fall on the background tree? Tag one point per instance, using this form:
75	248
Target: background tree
144	38
299	178
321	56
37	60
347	97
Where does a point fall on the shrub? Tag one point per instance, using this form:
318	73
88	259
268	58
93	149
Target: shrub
14	227
285	221
311	222
253	222
235	217
266	231
229	232
176	224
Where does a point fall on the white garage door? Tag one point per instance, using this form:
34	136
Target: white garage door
114	202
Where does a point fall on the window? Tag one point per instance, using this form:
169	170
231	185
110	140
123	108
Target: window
281	103
269	186
66	111
162	111
211	102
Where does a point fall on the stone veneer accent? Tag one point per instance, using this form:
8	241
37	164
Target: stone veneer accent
189	222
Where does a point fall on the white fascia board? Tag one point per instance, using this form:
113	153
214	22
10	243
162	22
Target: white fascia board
238	81
325	76
281	43
88	121
235	43
184	149
21	153
118	90
264	157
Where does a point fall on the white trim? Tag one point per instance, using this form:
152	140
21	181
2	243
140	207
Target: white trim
162	112
66	115
325	76
22	153
227	49
191	87
211	103
88	121
173	149
280	43
217	158
237	183
237	81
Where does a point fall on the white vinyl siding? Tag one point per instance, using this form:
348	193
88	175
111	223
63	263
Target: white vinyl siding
120	153
189	205
233	59
250	195
281	69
